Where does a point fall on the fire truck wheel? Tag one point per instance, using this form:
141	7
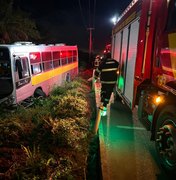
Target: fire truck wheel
39	93
165	139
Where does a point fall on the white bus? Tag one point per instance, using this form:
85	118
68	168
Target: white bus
28	70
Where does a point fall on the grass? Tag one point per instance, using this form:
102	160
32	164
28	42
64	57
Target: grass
51	139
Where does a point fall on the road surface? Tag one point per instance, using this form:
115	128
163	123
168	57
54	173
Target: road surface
126	151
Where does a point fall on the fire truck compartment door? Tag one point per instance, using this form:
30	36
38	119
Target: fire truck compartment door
116	46
131	60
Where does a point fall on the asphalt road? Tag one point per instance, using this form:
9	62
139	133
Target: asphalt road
126	151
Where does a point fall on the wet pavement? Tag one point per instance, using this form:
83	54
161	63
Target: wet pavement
126	151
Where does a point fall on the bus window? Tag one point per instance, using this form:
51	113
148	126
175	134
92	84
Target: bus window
19	68
36	68
22	74
35	60
171	23
64	61
47	65
70	56
47	61
25	67
56	63
22	67
35	57
46	56
56	59
74	56
63	57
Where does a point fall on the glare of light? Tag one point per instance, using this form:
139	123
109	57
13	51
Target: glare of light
103	113
158	99
33	56
120	82
114	20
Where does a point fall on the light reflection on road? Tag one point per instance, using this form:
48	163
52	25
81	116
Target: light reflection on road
125	147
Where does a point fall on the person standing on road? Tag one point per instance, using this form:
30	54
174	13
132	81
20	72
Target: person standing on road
107	71
97	61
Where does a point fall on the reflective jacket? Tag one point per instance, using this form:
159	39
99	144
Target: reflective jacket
107	71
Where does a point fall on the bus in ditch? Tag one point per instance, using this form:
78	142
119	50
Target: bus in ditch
29	70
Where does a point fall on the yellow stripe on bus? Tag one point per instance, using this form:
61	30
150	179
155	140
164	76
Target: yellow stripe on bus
172	46
39	78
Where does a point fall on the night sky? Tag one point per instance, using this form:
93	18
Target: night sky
67	21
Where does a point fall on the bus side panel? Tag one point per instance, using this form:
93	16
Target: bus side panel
131	60
47	81
47	75
58	80
24	92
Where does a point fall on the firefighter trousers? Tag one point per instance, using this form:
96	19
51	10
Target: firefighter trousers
106	91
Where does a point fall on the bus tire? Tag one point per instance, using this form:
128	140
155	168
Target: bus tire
39	93
165	139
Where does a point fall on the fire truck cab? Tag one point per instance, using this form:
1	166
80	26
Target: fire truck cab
144	43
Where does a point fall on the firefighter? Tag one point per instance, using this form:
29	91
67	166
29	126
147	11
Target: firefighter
97	61
107	72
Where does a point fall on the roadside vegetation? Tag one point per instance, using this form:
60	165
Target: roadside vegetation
15	24
51	139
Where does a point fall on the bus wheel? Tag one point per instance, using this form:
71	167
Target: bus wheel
165	138
39	93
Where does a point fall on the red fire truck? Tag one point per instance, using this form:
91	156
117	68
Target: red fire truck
144	43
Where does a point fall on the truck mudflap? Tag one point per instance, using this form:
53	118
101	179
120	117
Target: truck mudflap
165	138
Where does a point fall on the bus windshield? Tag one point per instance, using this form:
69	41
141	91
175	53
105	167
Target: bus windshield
5	73
5	66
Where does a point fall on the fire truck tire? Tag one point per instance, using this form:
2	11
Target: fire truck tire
39	93
165	139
